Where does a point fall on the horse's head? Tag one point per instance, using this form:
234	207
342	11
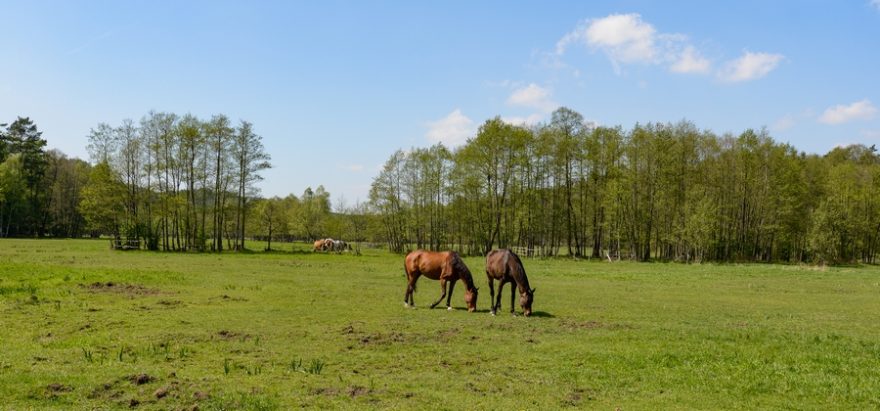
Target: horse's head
525	301
470	298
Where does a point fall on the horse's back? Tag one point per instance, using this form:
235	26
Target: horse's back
428	263
496	263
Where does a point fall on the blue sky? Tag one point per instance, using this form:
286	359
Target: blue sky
335	87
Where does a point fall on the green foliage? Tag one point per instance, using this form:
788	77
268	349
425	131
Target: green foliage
101	201
25	180
315	367
659	191
312	213
12	192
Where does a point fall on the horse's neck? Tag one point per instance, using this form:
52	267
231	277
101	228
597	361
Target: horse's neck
468	281
522	282
463	273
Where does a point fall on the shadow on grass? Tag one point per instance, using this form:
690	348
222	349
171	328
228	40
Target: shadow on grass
539	314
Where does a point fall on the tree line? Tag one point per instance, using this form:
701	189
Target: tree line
174	182
659	191
39	189
167	182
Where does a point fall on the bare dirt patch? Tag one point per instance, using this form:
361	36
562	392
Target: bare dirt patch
382	338
324	391
56	388
576	396
357	390
594	325
170	303
140	379
449	334
226	297
130	290
352	391
232	335
395	337
106	390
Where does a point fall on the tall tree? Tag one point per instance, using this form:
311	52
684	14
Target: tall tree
24	139
102	201
12	195
219	135
250	158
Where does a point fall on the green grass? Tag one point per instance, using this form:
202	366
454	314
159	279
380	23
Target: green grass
84	327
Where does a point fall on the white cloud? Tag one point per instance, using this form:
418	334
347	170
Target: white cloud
784	123
690	61
627	39
452	130
530	120
860	110
750	66
569	38
533	96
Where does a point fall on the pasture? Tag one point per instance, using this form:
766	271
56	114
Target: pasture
85	327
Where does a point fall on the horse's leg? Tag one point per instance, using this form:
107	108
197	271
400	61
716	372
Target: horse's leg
498	300
410	289
491	293
442	292
513	288
449	296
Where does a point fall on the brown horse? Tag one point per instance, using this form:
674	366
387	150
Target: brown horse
319	245
506	267
445	266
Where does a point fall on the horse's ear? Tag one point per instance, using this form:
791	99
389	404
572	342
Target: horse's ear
533	290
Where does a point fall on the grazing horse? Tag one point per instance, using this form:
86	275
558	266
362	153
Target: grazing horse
319	245
328	245
339	246
445	266
505	266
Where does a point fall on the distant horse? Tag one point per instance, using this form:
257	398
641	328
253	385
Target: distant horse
340	246
318	245
328	244
445	266
505	266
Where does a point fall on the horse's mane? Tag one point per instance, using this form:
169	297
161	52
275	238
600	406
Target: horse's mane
462	269
518	271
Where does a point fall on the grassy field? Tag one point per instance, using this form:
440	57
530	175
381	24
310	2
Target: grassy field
85	327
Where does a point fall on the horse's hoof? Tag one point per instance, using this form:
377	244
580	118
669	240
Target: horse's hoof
405	305
448	308
493	313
